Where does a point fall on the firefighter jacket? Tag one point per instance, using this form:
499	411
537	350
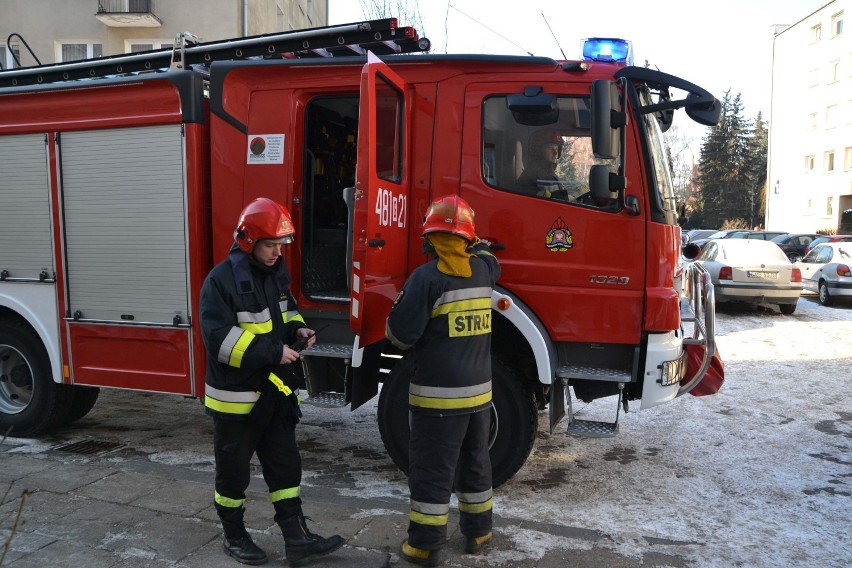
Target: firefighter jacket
247	315
446	322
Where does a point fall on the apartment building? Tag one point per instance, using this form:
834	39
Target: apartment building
809	178
68	30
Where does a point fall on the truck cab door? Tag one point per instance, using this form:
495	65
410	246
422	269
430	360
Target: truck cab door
381	202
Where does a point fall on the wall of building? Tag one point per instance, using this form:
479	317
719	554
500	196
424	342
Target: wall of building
810	120
46	24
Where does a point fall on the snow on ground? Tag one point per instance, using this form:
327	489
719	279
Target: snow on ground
756	475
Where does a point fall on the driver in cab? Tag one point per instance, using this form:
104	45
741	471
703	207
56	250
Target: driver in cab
539	176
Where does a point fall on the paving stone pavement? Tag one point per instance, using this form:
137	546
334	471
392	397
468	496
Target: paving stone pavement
120	510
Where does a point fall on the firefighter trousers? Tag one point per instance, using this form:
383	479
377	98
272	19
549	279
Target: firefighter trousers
234	442
445	451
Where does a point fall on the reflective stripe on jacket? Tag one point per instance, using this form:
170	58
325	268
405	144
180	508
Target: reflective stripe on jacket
247	315
446	321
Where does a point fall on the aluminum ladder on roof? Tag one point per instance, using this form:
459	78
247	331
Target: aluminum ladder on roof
382	37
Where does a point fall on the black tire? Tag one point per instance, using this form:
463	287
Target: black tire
787	309
823	296
83	400
517	419
30	402
516	422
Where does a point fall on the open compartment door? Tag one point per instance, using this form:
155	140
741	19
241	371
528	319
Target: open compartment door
381	217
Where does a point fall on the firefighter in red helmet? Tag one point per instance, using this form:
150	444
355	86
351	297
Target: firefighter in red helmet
539	176
442	317
250	324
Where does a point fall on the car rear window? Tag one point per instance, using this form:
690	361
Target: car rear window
753	253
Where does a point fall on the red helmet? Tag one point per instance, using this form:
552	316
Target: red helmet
450	214
263	219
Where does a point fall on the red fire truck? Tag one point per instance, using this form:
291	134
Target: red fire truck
121	179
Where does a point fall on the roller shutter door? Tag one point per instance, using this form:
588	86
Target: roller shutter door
25	234
125	224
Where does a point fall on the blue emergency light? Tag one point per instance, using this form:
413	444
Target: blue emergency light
608	49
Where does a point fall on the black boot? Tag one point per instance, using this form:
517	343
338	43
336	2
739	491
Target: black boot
237	542
302	545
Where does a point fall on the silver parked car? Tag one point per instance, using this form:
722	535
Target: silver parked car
827	271
753	271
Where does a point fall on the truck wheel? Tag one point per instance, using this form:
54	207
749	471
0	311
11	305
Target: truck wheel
824	297
30	402
83	401
515	424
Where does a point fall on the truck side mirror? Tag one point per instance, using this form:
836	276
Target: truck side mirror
605	187
703	113
602	184
607	119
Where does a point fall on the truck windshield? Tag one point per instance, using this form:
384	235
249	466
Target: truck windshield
548	161
657	150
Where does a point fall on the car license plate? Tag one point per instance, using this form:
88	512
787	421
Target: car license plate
760	274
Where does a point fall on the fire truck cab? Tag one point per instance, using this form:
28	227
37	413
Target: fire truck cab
122	193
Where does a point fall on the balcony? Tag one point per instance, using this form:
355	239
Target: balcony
127	14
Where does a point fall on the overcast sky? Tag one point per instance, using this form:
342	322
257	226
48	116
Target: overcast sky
721	45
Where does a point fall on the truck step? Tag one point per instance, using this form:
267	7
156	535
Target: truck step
590	372
337	350
327	400
592	429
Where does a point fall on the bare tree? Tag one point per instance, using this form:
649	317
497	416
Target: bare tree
683	162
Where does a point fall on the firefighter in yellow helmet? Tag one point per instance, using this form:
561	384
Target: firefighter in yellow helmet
443	317
252	329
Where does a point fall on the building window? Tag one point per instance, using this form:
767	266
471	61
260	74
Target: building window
809	163
7	59
837	24
829	209
829	161
77	50
847	159
816	33
138	45
834	70
831	116
813	77
812	121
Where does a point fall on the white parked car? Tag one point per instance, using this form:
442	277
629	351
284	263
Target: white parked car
827	271
753	271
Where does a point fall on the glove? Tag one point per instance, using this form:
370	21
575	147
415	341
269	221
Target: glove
261	414
292	410
275	392
290	407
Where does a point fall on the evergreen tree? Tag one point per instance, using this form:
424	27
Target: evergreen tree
758	150
725	177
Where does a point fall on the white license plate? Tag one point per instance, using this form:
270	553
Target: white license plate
759	274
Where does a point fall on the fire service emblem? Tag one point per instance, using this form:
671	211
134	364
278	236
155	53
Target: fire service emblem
559	238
